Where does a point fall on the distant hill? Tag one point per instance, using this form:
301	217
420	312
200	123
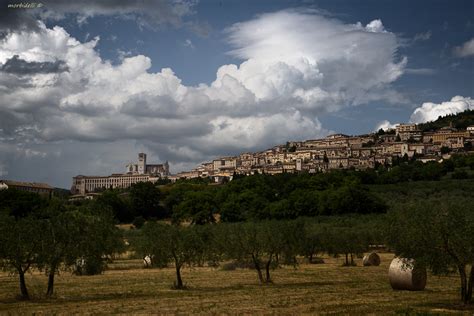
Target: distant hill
460	120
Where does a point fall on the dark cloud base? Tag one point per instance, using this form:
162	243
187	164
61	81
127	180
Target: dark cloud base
18	66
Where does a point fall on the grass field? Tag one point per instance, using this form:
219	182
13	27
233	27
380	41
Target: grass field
309	289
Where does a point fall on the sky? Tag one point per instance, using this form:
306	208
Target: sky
86	85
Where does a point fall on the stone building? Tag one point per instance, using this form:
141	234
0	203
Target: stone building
86	184
135	172
141	167
444	134
225	163
408	131
34	187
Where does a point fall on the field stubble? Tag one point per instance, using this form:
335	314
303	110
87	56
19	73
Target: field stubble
309	289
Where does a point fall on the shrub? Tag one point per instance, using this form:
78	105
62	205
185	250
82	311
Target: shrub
460	174
138	222
229	266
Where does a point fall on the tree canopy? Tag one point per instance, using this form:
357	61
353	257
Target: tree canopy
438	234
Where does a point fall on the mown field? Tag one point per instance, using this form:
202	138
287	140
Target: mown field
310	289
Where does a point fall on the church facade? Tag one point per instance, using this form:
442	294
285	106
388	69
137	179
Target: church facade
134	173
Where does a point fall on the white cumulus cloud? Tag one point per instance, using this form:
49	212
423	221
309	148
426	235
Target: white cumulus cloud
430	111
385	125
317	61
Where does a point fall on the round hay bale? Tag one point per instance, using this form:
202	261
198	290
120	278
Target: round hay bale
371	259
404	274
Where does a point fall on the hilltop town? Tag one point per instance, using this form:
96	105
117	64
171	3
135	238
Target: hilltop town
339	151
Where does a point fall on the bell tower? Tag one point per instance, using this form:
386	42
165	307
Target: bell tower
141	163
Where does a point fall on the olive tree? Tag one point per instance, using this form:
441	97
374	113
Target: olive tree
169	243
438	234
58	241
69	235
313	241
99	241
262	243
347	241
19	246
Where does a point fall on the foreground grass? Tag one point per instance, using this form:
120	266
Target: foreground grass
310	289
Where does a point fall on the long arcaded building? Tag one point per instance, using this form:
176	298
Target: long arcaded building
139	172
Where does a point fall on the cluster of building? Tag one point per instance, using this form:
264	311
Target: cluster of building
34	187
135	172
338	151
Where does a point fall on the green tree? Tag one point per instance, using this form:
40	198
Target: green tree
145	200
59	240
197	206
445	150
146	243
346	236
438	234
350	198
312	242
169	243
118	204
19	246
261	243
243	206
304	202
468	146
280	209
174	194
20	203
100	239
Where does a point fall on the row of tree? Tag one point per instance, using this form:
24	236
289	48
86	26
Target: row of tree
53	236
262	245
438	233
258	197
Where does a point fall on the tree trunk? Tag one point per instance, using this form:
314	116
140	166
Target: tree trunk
23	289
257	267
347	259
352	260
50	290
469	286
310	258
179	281
268	279
462	273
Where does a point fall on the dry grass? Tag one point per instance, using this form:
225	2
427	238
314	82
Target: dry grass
310	289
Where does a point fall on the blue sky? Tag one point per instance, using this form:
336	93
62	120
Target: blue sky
87	90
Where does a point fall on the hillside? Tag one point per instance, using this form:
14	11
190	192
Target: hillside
460	120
